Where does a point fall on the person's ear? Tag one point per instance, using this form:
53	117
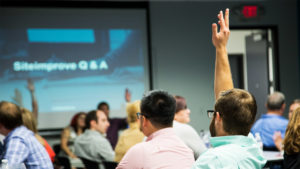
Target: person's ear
92	123
145	121
218	117
283	106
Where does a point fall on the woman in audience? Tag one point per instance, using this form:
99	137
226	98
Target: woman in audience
184	131
132	135
291	142
68	137
30	122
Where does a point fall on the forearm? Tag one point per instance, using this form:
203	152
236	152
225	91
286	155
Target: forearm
34	104
223	78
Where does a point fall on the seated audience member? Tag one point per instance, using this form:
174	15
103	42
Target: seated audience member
272	121
20	144
233	115
295	104
184	131
292	142
92	144
132	135
68	136
116	124
277	137
162	149
30	122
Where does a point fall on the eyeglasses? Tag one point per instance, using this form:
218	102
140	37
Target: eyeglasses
211	113
139	115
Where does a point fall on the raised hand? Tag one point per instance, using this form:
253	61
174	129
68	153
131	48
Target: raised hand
30	85
127	95
223	78
220	38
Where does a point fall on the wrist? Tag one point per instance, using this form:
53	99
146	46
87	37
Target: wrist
221	48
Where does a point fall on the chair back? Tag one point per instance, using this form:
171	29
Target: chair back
89	164
110	164
63	161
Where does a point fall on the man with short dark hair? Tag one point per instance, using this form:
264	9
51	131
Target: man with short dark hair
272	121
92	144
232	117
162	149
20	144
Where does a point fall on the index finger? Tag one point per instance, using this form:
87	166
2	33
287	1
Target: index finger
227	18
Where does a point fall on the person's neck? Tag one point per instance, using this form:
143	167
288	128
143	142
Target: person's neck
154	129
79	131
276	112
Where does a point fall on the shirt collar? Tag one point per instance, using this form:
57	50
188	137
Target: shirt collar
271	115
224	140
12	132
93	132
164	131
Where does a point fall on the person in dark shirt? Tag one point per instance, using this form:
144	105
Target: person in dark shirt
116	124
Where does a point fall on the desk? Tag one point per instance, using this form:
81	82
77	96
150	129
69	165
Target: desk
274	160
273	156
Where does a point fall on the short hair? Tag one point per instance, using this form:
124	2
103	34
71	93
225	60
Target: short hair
102	104
159	107
10	115
74	120
296	101
92	115
28	120
237	108
180	103
291	140
275	101
132	109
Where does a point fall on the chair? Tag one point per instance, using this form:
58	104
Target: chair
110	164
63	161
89	164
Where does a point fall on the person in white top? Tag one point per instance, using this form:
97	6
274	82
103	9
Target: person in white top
184	131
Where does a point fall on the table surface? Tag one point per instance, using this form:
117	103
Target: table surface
273	155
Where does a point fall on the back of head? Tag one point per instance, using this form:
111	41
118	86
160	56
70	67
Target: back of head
159	107
275	101
292	136
296	101
28	120
180	103
92	115
10	115
132	109
238	110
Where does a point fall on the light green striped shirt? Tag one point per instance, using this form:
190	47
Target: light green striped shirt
231	152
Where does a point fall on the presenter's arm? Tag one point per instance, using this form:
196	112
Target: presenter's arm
223	78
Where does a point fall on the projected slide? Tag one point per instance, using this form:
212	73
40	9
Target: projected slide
72	69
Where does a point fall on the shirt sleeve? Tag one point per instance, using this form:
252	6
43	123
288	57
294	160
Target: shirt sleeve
208	161
105	151
122	123
16	151
195	142
133	159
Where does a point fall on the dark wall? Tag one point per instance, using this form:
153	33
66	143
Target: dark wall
183	56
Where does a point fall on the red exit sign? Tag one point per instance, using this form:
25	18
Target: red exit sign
250	11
